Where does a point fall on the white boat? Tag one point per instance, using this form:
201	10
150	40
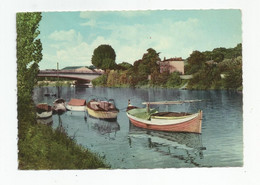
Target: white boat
59	106
43	111
76	105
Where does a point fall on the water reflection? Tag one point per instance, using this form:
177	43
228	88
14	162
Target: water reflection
222	128
46	121
60	127
103	126
186	147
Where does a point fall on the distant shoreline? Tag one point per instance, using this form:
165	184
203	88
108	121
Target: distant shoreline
47	83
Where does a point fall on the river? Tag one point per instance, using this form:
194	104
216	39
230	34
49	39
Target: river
125	146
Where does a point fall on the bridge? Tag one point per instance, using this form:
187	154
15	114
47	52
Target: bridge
80	77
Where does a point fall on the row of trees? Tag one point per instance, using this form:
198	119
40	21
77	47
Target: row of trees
206	67
144	72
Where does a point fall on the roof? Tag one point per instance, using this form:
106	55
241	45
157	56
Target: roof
84	69
71	67
172	59
77	102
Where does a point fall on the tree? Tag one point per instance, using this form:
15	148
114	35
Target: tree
28	56
196	61
124	66
104	57
150	60
174	80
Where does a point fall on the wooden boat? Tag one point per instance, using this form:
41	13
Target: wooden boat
59	106
102	109
76	105
43	111
165	121
45	121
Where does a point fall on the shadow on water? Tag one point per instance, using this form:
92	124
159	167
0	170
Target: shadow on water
186	147
103	126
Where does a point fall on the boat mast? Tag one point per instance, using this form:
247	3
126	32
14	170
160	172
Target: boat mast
148	107
58	80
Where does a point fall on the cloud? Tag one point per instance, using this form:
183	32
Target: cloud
89	14
126	14
91	23
172	39
63	35
130	42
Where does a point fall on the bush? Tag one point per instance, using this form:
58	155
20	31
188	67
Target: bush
100	81
174	80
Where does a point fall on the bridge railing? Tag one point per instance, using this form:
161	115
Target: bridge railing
68	72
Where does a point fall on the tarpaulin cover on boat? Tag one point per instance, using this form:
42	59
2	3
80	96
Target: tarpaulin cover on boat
43	107
142	113
77	102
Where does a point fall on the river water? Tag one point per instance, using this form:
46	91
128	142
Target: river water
125	146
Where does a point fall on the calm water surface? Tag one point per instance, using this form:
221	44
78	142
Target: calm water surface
126	146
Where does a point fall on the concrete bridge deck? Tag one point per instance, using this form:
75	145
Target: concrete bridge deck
83	76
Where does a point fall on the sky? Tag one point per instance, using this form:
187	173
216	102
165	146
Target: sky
70	38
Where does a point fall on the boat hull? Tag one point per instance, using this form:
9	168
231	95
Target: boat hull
190	123
44	115
102	114
76	108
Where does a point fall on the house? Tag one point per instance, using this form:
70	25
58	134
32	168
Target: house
172	65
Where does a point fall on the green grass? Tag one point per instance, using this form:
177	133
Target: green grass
45	148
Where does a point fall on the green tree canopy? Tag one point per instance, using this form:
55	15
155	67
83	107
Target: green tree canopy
104	57
196	61
28	56
148	64
124	66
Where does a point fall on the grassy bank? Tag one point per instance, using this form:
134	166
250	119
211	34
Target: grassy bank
41	147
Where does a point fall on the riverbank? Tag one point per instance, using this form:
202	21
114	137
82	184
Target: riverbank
54	83
183	86
43	148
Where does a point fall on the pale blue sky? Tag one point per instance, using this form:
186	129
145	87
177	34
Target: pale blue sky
71	37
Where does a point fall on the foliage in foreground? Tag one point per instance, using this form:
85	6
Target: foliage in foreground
45	148
40	147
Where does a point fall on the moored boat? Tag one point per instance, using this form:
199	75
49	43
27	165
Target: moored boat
59	106
45	121
76	105
165	121
43	111
102	109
